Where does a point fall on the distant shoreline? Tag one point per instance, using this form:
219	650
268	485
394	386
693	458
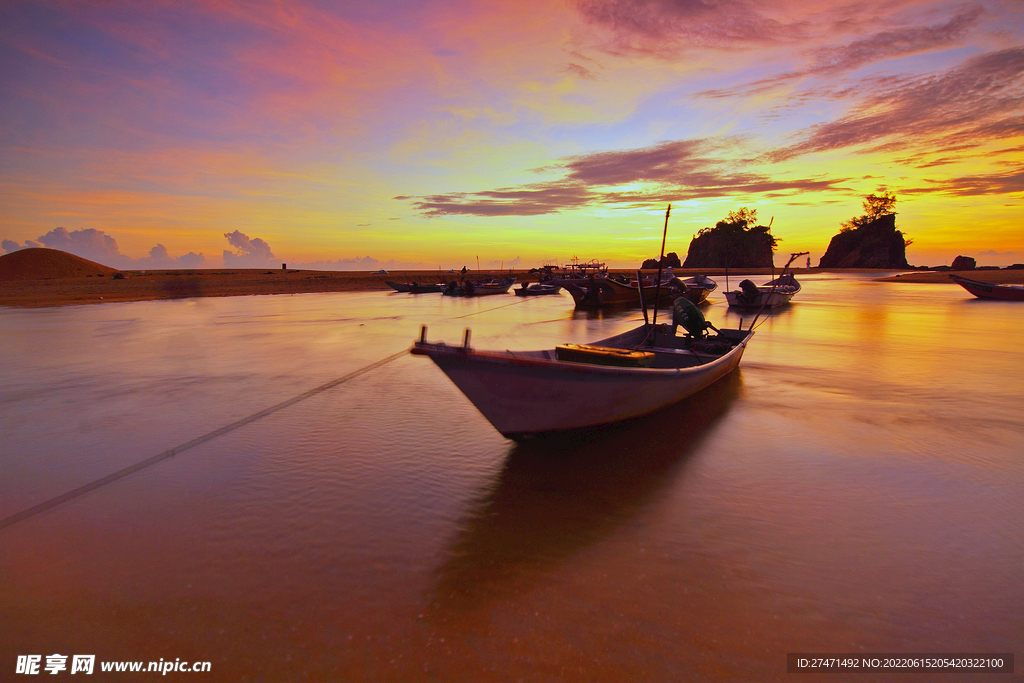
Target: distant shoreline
180	284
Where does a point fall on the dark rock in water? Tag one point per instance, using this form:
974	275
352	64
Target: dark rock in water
1016	266
731	245
964	263
988	268
671	260
877	244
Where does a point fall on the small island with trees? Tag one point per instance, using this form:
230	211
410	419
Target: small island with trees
870	240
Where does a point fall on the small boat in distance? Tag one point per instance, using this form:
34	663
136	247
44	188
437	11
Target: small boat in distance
576	273
575	386
773	294
537	289
611	292
702	281
479	288
413	287
989	290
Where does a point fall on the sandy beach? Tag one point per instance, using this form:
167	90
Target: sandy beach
36	278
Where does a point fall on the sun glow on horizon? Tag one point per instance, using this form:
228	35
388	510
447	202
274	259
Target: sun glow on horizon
421	135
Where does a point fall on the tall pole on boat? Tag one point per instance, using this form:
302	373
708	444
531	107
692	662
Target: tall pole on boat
661	263
640	289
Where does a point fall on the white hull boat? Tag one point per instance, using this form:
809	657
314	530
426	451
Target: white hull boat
526	393
772	294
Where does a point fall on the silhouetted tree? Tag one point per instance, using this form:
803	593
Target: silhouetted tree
875	206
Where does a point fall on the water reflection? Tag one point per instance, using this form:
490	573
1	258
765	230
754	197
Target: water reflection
556	496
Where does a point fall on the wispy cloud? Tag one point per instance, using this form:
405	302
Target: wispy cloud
667	27
1011	182
977	102
879	46
669	171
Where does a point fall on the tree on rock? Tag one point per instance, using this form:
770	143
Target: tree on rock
870	240
736	242
875	206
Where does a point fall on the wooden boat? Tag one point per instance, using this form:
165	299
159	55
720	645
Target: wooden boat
526	393
769	295
702	281
537	289
610	292
414	287
989	290
772	294
576	273
480	288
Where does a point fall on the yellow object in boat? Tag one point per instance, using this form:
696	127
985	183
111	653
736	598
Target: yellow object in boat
603	355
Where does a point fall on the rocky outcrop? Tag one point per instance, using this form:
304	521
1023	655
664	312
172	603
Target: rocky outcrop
877	244
670	260
729	245
964	263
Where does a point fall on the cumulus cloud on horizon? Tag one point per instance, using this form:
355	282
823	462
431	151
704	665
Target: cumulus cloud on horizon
96	245
252	252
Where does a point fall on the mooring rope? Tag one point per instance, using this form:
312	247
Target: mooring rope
488	310
131	469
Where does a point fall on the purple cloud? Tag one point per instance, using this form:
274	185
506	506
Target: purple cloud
675	171
1011	182
100	247
666	27
253	253
977	102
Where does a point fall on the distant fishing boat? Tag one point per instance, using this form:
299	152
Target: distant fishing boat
611	292
413	287
480	288
701	281
537	289
574	386
576	273
989	290
773	294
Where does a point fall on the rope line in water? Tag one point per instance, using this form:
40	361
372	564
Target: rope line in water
488	310
131	469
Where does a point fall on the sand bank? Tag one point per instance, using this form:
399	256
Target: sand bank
48	277
998	277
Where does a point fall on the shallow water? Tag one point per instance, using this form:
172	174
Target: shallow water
855	486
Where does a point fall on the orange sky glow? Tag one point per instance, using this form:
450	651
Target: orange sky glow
402	134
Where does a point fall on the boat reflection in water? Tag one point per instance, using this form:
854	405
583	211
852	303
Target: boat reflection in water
558	495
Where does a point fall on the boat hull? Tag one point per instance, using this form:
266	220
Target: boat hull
479	288
987	290
531	393
414	287
765	299
609	293
537	290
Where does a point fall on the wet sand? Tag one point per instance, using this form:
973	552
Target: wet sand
179	284
998	277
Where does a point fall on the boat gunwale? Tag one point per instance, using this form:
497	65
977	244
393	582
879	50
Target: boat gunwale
979	283
511	358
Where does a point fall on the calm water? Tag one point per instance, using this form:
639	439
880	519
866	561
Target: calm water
858	485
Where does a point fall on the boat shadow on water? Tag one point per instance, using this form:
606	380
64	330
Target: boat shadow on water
560	494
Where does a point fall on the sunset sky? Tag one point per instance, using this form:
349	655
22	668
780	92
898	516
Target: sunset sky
393	133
